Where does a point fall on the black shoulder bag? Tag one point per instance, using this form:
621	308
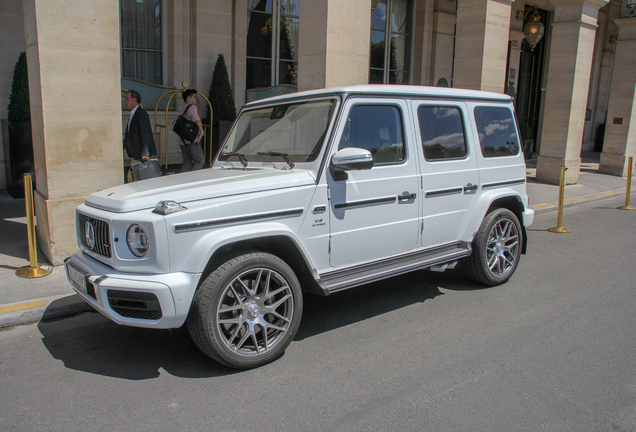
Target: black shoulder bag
186	129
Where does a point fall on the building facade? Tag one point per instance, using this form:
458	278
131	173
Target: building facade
574	86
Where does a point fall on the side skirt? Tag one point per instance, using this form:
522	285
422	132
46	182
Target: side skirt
339	280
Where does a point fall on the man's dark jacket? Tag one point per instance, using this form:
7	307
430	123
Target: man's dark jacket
138	139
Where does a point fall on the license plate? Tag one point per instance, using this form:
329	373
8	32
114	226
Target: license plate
77	276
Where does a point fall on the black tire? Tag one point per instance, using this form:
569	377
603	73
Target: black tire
496	248
247	311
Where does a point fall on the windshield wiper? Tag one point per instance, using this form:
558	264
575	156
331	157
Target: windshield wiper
283	155
240	156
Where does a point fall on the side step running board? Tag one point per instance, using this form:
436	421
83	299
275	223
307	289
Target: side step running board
437	259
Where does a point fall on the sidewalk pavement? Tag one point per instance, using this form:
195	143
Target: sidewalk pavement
24	301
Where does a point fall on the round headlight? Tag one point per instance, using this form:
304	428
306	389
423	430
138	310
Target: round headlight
137	240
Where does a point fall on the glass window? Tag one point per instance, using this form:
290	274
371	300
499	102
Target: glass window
390	65
442	132
377	128
296	130
141	54
272	42
497	131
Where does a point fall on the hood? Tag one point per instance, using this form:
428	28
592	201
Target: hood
195	185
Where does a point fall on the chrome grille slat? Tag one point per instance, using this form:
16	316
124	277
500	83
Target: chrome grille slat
102	237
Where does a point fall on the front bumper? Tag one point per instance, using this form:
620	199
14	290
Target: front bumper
152	301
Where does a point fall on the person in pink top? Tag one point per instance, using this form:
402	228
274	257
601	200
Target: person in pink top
192	152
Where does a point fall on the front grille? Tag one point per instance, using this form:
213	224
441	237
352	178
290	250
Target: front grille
132	304
101	236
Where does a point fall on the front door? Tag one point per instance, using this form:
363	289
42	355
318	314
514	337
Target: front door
374	213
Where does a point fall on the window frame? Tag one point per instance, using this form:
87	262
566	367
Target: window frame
464	131
164	43
402	130
387	38
514	123
275	58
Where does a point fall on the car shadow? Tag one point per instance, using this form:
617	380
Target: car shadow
93	344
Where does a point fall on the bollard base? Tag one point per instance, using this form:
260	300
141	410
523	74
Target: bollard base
559	230
34	272
626	208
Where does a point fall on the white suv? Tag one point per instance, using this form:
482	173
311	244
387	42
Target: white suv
317	191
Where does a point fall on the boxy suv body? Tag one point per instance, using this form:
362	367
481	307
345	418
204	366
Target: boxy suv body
317	192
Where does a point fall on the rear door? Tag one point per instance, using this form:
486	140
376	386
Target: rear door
450	176
375	213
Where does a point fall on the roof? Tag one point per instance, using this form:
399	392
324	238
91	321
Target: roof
393	90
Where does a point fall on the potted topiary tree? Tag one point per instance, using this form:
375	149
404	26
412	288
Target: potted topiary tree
17	138
222	100
526	137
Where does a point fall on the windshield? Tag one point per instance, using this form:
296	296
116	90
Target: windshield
295	130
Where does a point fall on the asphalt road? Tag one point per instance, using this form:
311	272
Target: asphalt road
552	350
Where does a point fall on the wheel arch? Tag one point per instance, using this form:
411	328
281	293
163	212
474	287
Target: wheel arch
278	245
515	205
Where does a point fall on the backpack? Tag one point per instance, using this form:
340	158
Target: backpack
186	129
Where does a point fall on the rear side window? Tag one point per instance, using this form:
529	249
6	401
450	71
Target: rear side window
442	132
377	128
497	131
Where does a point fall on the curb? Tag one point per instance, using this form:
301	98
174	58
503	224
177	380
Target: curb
571	202
42	309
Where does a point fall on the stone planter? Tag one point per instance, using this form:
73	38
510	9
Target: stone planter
528	143
18	155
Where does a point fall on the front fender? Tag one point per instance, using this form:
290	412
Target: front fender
195	258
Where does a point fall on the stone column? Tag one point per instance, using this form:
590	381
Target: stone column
481	44
620	129
568	79
335	38
74	85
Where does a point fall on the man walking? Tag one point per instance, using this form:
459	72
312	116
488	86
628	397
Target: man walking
138	140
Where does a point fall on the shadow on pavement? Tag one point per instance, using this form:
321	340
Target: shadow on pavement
92	343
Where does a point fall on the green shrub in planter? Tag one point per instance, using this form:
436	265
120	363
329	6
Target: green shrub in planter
525	131
222	100
17	139
19	106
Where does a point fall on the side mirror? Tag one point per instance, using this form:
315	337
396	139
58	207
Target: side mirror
350	159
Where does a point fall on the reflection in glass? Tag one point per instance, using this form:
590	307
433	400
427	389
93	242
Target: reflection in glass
297	129
378	16
377	129
497	131
442	132
377	49
398	32
290	7
288	73
259	73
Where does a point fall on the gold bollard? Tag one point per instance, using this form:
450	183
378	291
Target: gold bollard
559	228
34	270
629	186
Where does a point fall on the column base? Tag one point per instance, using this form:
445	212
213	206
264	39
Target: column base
615	164
56	235
549	170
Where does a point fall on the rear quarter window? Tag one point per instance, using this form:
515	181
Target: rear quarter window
497	131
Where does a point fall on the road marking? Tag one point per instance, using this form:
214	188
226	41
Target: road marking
590	196
609	192
545	205
21	307
568	200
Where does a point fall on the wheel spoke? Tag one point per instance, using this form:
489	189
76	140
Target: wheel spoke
279	302
230	309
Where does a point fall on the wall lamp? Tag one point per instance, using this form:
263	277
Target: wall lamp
631	5
535	29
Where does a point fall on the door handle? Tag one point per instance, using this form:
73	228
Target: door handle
407	197
470	187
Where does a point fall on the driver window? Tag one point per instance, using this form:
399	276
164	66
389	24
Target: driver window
377	128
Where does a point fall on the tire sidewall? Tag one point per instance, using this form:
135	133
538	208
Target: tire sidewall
220	279
481	242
